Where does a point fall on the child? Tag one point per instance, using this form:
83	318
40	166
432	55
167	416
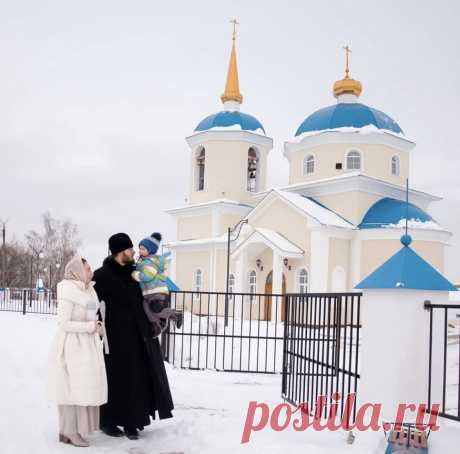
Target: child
152	274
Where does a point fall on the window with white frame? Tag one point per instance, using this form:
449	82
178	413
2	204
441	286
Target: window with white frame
252	284
231	285
353	160
302	281
253	170
197	283
395	165
200	169
308	164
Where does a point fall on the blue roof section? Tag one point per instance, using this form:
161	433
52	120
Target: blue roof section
406	270
341	115
390	211
230	118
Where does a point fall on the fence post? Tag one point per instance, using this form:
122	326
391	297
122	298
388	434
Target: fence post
24	302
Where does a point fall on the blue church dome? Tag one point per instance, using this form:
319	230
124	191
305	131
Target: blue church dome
226	119
390	211
355	115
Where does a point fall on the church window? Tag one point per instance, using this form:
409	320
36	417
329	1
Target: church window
308	164
302	281
252	284
199	169
395	165
354	160
253	170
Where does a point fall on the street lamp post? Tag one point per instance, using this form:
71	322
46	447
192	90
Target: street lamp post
230	230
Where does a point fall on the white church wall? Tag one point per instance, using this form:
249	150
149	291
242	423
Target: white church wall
339	258
194	227
286	221
375	162
352	205
228	220
186	263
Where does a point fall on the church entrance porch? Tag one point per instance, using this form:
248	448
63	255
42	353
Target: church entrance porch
260	251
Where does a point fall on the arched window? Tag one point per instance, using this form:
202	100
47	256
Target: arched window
253	170
302	281
395	165
353	160
197	283
252	283
308	164
199	169
231	285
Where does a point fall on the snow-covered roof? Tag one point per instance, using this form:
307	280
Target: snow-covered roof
231	120
345	114
364	130
197	242
271	239
197	206
392	213
406	270
312	208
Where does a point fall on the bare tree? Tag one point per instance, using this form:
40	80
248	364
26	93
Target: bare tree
51	249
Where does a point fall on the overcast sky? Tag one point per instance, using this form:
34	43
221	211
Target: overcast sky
96	98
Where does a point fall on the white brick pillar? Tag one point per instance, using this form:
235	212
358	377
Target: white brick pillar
394	349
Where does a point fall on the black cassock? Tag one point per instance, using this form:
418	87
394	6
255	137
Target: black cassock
137	382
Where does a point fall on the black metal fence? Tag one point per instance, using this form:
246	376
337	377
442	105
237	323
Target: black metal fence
236	332
444	359
321	350
28	300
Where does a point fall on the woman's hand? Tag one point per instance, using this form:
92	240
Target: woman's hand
93	327
100	328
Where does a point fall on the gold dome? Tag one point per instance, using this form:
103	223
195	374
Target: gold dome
347	85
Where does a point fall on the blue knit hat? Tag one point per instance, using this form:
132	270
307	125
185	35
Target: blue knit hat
152	243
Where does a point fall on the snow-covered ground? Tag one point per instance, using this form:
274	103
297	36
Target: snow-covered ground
209	415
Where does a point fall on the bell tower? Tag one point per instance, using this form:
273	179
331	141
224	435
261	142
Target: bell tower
228	149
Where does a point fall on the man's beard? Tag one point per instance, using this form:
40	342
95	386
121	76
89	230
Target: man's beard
126	259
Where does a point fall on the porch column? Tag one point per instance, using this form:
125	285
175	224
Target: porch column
277	286
319	261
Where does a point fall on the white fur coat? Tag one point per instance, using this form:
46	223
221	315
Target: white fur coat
76	366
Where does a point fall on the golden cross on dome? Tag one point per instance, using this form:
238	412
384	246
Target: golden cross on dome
347	52
235	23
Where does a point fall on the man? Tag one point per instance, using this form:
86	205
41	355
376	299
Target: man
136	376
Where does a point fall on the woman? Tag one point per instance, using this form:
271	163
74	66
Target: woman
77	380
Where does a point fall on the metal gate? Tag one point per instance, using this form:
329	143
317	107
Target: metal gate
232	332
444	359
321	350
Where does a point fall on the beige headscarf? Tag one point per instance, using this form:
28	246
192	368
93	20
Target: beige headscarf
75	270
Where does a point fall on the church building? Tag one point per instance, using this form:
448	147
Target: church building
340	216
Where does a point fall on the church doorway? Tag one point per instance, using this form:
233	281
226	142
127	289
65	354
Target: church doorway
268	299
